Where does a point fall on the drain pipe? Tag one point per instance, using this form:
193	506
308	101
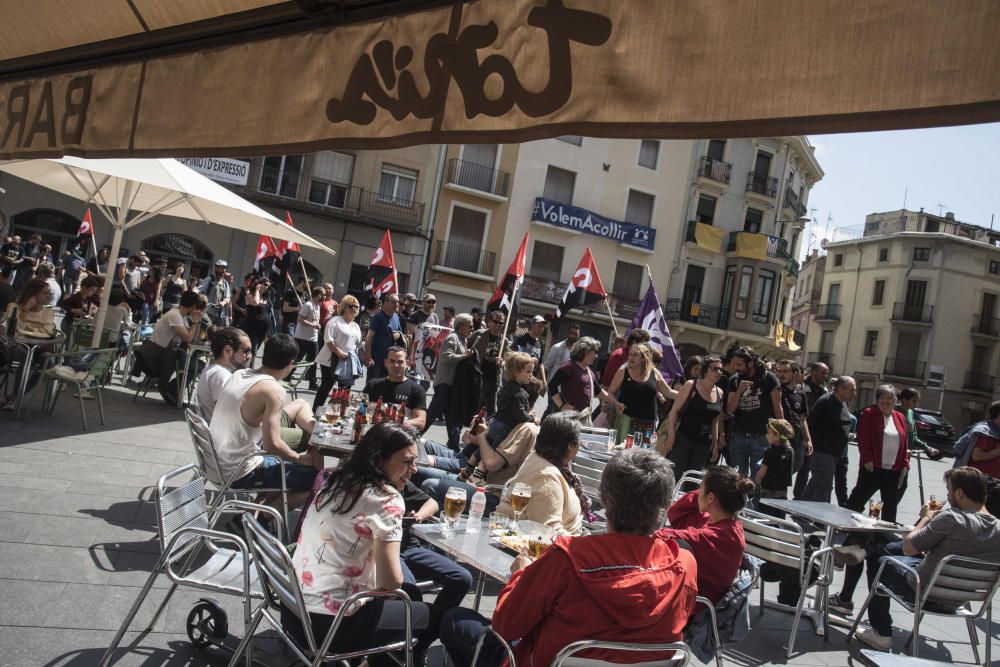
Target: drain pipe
432	216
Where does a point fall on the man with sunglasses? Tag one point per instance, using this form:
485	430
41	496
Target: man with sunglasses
231	351
423	314
486	343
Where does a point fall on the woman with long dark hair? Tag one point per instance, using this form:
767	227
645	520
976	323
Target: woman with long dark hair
694	425
350	542
173	286
258	317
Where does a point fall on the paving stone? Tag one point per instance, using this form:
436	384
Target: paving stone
64	531
26	603
23	481
37	562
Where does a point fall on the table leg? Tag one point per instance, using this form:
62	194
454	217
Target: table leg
920	477
22	386
480	585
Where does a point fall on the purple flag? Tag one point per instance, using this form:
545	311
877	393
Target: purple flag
650	317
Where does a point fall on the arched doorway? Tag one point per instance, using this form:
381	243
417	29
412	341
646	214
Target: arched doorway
179	249
56	228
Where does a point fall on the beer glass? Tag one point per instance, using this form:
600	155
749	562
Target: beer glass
520	496
454	503
935	503
875	509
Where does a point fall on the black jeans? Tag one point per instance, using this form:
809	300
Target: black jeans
307	352
439	407
327	381
460	630
688	454
886	482
162	363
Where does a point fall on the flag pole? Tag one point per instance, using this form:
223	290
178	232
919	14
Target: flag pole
614	326
510	313
305	276
93	242
288	281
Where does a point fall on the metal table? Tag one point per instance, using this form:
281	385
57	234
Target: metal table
881	659
834	519
337	445
480	551
31	345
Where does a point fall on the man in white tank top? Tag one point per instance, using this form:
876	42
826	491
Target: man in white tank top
249	414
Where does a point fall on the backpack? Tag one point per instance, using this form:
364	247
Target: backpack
965	444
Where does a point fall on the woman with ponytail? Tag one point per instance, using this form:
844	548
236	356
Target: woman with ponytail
705	519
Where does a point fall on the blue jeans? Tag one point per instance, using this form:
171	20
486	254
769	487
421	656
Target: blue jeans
437	487
746	452
460	630
422	564
446	465
297	477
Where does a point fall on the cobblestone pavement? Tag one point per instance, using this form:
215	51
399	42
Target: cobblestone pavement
77	539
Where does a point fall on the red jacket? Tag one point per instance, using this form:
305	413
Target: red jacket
615	587
718	547
871	427
615	361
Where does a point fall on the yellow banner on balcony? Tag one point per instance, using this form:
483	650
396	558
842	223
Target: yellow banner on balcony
708	237
790	337
779	332
751	246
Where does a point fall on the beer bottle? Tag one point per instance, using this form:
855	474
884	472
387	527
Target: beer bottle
379	412
401	415
478	421
359	422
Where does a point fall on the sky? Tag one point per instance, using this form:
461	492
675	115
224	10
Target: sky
940	169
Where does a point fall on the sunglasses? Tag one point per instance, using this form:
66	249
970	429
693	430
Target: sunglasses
352	307
430	301
717	369
496	321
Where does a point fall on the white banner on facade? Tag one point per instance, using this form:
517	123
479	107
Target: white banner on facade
221	169
426	349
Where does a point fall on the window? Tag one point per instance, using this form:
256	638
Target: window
878	293
752	221
628	280
838	259
995	266
921	254
639	210
649	153
331	178
716	149
762	296
465	239
571	139
279	175
743	292
706	209
356	281
559	184
397	185
546	261
883	254
871	342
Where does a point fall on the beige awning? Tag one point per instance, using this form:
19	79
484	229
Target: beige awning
246	77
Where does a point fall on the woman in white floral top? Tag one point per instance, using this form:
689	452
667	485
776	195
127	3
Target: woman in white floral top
350	541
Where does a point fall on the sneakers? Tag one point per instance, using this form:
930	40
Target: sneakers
837	603
67	373
875	640
848	555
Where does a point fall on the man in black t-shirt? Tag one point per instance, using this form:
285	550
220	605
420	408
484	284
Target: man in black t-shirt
795	407
291	304
486	343
397	388
530	343
754	397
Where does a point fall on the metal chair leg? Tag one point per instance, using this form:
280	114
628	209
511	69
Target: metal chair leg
251	628
798	617
100	403
83	408
123	628
988	633
974	640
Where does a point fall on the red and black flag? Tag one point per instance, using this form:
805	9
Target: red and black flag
86	225
585	287
382	278
503	297
267	253
288	251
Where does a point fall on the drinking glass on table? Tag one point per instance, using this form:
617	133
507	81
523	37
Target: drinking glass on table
875	509
520	496
935	503
454	503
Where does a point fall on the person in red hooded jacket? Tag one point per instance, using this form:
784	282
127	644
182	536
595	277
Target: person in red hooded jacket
627	585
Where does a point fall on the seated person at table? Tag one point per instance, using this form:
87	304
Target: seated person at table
28	317
965	528
706	520
251	409
628	585
177	327
396	387
230	351
77	305
350	542
557	497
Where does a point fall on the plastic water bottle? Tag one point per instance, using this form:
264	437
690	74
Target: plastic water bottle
477	508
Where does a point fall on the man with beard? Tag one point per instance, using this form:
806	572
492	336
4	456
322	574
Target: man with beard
793	403
486	343
232	350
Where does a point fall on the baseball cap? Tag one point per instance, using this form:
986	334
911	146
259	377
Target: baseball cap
221	262
538	319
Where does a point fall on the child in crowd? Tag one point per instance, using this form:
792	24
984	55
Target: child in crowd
775	473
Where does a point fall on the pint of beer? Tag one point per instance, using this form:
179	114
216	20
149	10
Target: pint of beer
454	502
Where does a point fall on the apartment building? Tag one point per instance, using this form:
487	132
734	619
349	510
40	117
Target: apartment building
345	199
740	232
806	295
911	297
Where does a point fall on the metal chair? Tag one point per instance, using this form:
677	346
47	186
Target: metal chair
956	579
688	482
291	384
211	469
595	440
783	542
97	376
185	523
741	586
490	632
676	660
589	471
281	588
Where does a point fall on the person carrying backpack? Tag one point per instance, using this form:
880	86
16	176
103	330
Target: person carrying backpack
979	447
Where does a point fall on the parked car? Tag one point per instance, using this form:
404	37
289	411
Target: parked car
935	430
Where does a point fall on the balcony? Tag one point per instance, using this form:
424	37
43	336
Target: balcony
777	247
550	291
706	315
689	236
715	170
905	368
820	358
914	314
792	267
986	326
980	382
828	312
468	258
762	185
478	177
792	202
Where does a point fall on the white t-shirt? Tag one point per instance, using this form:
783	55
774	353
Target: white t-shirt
890	443
309	314
346	336
210	385
163	333
234	439
334	557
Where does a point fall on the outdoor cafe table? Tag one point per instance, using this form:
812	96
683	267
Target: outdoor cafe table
480	551
31	345
329	443
835	519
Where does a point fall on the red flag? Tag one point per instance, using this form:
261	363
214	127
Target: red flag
288	252
265	249
86	226
585	287
382	278
503	296
288	246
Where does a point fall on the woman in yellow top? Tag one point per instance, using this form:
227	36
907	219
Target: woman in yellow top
557	497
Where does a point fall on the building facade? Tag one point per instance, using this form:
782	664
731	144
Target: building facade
911	298
806	296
